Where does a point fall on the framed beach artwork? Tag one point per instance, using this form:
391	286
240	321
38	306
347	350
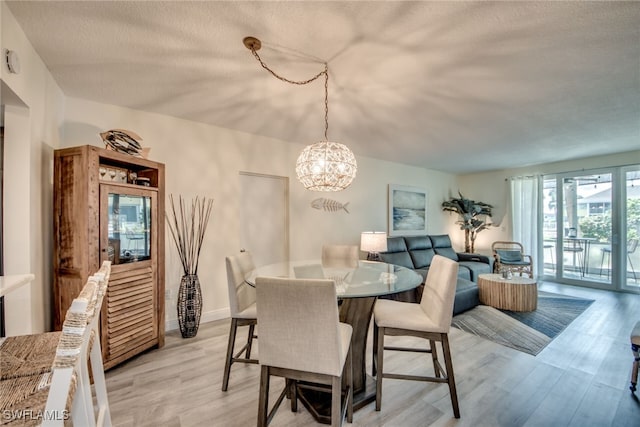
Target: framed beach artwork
407	210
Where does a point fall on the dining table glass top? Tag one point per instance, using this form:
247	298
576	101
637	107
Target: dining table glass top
366	279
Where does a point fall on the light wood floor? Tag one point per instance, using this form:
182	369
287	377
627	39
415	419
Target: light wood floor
580	379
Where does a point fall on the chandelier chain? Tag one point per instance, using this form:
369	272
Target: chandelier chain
324	72
326	101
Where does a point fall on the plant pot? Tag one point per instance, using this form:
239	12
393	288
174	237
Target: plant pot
189	305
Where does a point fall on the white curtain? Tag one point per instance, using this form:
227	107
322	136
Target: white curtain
524	215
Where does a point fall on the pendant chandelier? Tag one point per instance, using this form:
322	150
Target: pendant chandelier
325	165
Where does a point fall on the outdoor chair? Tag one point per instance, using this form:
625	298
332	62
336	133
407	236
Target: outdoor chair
632	245
551	249
510	256
574	247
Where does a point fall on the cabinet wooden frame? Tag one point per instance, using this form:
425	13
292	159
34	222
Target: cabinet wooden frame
133	313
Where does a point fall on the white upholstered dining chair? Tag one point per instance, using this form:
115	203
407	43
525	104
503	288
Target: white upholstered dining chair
431	320
302	339
340	256
242	304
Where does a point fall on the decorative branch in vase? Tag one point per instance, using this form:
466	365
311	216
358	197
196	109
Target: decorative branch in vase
473	218
187	227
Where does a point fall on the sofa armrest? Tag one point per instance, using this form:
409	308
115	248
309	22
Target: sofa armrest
462	256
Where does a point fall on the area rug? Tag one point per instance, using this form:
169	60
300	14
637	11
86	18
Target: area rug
529	332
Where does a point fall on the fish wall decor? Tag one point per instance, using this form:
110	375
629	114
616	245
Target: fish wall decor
329	205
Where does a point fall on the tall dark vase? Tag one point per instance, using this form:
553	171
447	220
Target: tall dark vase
189	305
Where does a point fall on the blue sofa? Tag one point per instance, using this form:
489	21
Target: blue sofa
416	252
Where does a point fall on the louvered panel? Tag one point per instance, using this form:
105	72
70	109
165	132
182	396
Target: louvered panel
131	311
132	288
128	338
142	333
130	322
129	303
132	314
129	275
125	347
122	316
132	334
127	312
130	331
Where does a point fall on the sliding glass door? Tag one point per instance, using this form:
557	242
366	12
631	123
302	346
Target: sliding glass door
629	251
591	226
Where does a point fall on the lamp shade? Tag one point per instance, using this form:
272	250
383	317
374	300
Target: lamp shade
326	166
373	241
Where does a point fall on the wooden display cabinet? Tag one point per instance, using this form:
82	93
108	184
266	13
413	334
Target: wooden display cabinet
110	206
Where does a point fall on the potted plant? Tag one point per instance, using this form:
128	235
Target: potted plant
473	218
187	227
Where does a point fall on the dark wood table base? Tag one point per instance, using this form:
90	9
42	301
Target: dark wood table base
318	403
357	313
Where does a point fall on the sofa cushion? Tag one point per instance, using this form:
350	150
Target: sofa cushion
442	246
510	256
396	244
467	296
416	243
397	253
464	272
421	250
423	272
475	268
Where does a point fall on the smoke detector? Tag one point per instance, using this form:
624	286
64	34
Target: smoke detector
12	61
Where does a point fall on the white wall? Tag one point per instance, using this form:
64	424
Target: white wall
32	121
206	160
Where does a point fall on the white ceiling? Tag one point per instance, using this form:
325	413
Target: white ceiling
452	86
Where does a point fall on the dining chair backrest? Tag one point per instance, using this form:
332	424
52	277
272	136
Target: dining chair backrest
78	351
299	325
241	294
439	292
68	385
63	393
340	256
632	244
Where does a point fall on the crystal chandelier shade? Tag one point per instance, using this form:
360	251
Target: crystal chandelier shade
325	165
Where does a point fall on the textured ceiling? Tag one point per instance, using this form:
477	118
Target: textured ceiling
452	86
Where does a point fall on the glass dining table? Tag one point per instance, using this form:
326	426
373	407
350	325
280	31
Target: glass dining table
357	287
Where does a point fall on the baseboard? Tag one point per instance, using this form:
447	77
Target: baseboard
208	316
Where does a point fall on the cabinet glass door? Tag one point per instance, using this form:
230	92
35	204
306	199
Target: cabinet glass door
129	225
